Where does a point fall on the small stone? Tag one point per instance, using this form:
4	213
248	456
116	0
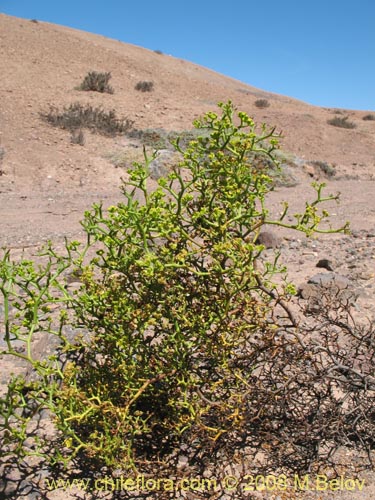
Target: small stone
325	264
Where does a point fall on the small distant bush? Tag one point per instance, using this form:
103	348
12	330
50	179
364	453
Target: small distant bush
77	137
326	168
145	86
341	121
78	116
97	82
34	20
2	154
262	103
158	52
369	117
156	138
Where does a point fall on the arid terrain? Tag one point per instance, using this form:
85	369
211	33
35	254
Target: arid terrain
47	181
52	180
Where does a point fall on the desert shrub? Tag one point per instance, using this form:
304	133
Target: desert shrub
78	116
369	117
156	138
97	82
144	86
77	137
184	137
159	138
157	51
262	103
189	350
341	121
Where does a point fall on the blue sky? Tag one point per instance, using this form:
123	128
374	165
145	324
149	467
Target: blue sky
319	51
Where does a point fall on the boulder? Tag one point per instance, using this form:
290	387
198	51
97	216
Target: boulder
325	264
321	288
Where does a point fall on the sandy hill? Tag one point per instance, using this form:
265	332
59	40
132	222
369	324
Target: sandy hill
41	66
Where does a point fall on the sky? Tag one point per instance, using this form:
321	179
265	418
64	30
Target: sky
319	51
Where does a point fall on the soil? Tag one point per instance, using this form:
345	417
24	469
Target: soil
46	182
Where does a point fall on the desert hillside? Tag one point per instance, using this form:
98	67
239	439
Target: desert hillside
42	64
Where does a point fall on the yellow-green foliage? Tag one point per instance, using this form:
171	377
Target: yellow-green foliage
170	305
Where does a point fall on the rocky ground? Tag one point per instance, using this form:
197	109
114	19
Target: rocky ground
347	258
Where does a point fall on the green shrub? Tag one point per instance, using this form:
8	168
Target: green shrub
97	82
144	86
189	351
78	116
341	121
262	103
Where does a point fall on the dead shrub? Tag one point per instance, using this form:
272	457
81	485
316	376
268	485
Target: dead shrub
262	103
97	82
342	122
78	116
